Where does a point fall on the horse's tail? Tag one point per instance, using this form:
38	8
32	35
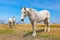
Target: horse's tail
48	15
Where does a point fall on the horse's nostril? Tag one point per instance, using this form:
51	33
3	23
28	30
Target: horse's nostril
22	19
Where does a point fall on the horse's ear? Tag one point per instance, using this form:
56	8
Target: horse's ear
24	8
21	7
30	9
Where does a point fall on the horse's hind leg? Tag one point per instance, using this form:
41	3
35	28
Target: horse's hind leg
47	25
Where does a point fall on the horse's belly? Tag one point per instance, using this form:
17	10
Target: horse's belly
40	20
41	17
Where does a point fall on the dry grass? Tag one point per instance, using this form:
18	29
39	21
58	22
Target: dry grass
26	30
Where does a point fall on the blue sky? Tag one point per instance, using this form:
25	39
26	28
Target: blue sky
10	8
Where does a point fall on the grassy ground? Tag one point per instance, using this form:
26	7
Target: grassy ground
24	31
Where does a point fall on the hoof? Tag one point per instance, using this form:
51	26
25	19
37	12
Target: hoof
34	34
48	31
45	31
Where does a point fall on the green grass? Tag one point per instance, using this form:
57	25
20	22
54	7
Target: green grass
6	31
48	35
52	37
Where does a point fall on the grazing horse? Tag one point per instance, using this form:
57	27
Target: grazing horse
11	21
36	16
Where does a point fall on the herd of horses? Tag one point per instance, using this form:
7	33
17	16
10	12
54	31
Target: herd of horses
34	17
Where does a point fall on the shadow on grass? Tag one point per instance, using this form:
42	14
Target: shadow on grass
39	31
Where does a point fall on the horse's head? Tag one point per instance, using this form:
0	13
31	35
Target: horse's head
23	13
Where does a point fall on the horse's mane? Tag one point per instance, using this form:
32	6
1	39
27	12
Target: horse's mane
34	10
29	10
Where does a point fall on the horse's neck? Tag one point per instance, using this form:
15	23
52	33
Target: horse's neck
10	19
32	14
13	19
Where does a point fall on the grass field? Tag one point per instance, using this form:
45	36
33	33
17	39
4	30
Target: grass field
25	30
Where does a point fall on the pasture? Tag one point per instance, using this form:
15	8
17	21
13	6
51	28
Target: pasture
24	31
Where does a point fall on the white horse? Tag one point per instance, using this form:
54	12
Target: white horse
36	16
11	21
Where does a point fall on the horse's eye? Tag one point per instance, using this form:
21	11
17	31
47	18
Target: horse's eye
24	12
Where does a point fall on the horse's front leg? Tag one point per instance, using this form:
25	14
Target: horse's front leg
10	24
34	28
14	24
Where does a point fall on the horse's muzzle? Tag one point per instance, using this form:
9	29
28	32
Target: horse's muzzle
22	19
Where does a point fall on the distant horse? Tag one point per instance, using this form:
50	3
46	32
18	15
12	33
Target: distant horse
11	22
36	16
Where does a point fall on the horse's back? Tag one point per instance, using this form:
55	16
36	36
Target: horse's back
44	13
10	19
